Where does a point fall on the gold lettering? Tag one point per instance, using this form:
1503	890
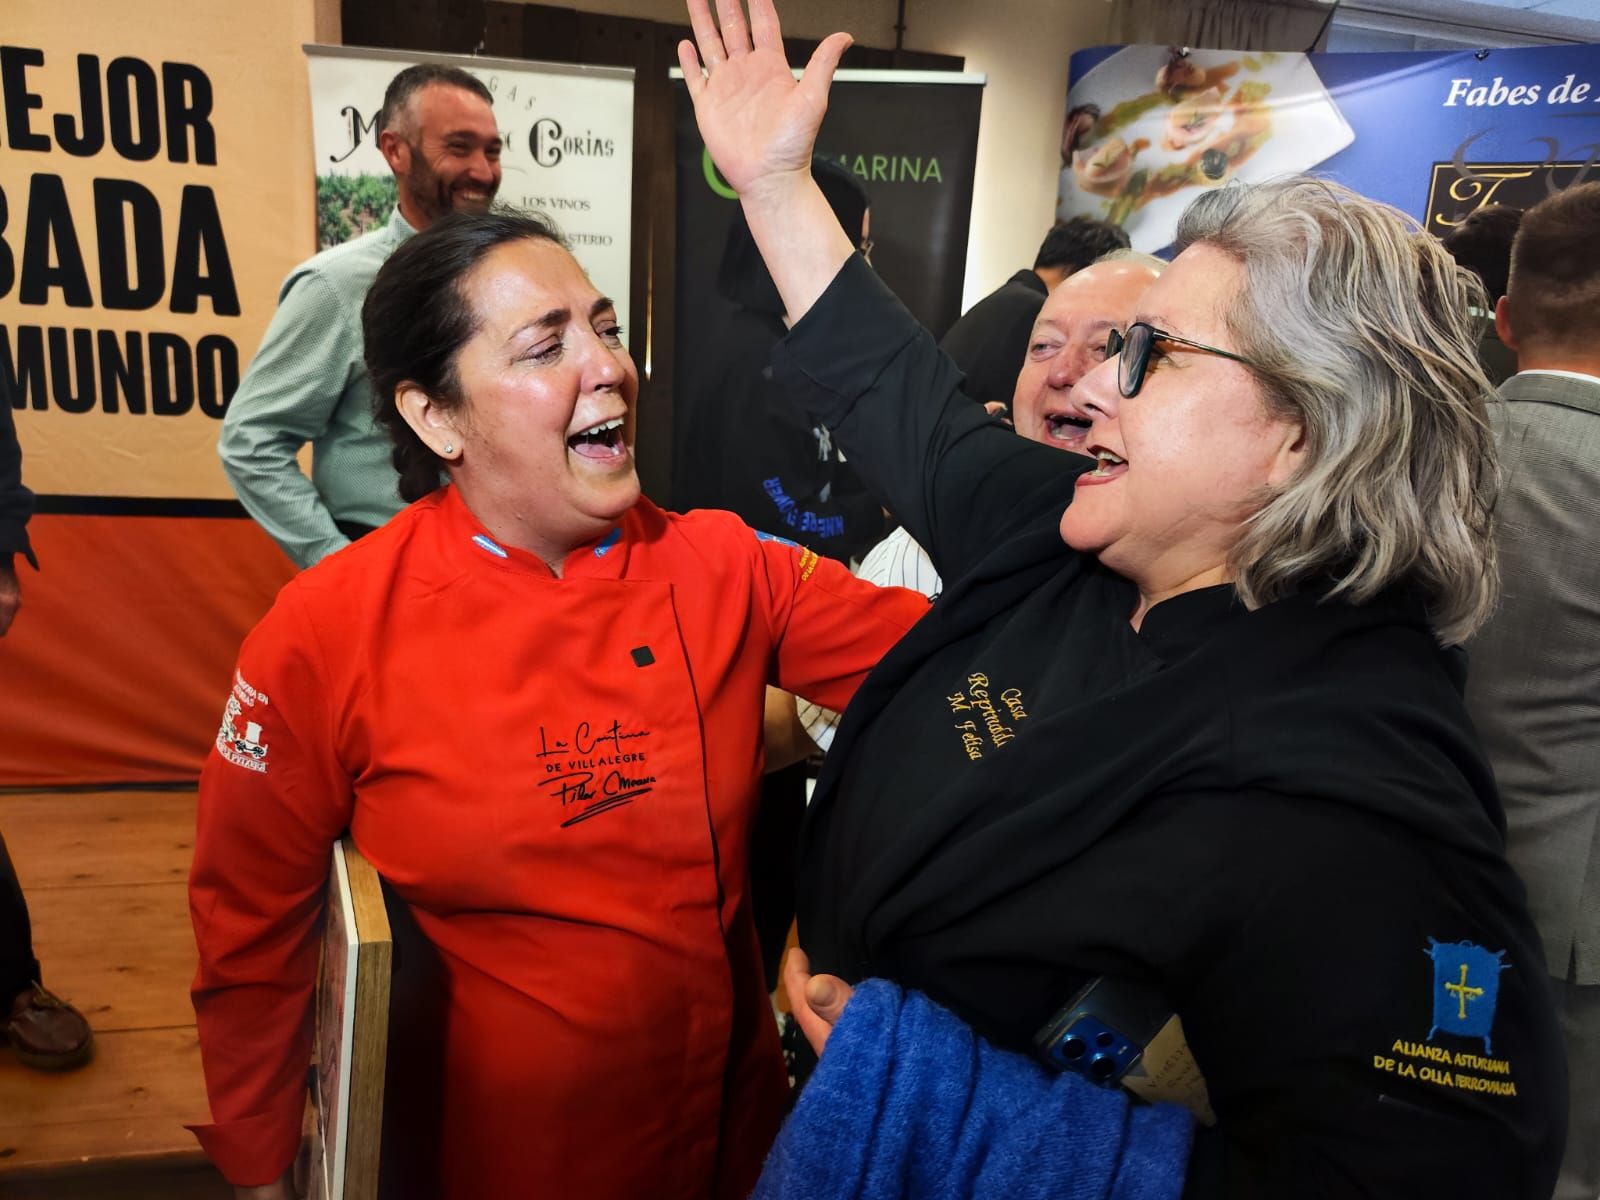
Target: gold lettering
1468	190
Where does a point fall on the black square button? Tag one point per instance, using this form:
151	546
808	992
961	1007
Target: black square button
642	656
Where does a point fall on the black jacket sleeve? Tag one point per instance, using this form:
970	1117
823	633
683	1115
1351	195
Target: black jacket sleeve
957	479
1332	1024
747	448
16	501
990	341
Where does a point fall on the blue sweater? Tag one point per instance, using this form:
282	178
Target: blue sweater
909	1102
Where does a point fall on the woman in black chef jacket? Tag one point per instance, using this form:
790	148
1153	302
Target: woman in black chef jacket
1188	715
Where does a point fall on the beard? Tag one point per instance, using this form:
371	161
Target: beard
436	197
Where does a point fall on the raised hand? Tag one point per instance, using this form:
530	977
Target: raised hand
758	123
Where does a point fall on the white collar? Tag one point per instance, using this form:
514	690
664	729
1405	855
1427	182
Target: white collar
1562	375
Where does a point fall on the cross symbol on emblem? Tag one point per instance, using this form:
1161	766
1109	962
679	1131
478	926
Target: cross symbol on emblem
1463	992
1453	964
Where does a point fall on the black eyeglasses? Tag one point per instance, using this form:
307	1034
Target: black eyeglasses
1133	347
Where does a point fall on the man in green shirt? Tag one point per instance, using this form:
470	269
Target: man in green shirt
308	382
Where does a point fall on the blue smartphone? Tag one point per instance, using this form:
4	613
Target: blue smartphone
1103	1030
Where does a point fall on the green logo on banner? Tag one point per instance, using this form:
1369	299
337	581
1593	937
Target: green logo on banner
713	179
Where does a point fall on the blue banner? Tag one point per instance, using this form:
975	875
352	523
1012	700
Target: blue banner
1435	134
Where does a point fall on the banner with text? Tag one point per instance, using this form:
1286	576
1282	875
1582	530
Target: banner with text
149	208
133	285
1436	134
568	153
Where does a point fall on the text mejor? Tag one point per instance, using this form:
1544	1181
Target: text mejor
138	113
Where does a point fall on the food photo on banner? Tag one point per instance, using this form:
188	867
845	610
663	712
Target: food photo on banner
1437	134
568	148
903	146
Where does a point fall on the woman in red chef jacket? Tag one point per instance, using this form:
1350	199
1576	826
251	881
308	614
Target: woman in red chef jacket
535	700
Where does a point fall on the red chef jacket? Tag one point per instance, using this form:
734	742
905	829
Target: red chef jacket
559	777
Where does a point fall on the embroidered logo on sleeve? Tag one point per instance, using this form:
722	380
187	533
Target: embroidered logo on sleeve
239	737
808	558
1466	988
1465	993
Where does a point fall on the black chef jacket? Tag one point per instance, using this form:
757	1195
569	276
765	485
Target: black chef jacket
742	447
1279	818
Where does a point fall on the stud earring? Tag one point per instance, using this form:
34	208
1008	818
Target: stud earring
449	449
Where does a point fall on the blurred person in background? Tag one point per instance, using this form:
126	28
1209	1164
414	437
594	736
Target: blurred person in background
43	1030
1482	244
307	382
1534	688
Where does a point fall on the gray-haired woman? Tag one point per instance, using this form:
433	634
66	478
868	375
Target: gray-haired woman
1191	719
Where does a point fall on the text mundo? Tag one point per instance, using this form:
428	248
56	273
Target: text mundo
139	112
1499	94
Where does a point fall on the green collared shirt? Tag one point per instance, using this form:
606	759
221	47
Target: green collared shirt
308	383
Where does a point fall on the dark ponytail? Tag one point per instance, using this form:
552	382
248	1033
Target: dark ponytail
416	318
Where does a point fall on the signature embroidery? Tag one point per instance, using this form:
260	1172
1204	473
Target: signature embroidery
577	774
996	720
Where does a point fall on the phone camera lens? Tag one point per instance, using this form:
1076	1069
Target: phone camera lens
1102	1067
1104	1038
1073	1048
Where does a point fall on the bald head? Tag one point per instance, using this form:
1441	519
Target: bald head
1068	341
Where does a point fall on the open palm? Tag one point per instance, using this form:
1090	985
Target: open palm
758	122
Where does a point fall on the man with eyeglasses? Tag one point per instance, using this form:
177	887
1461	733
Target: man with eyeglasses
1068	339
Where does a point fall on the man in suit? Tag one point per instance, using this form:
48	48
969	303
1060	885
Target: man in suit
1534	686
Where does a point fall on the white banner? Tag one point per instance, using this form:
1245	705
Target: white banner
568	148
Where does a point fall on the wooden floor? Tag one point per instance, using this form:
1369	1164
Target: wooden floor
104	875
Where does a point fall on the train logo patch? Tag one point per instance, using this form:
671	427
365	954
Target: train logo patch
238	737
